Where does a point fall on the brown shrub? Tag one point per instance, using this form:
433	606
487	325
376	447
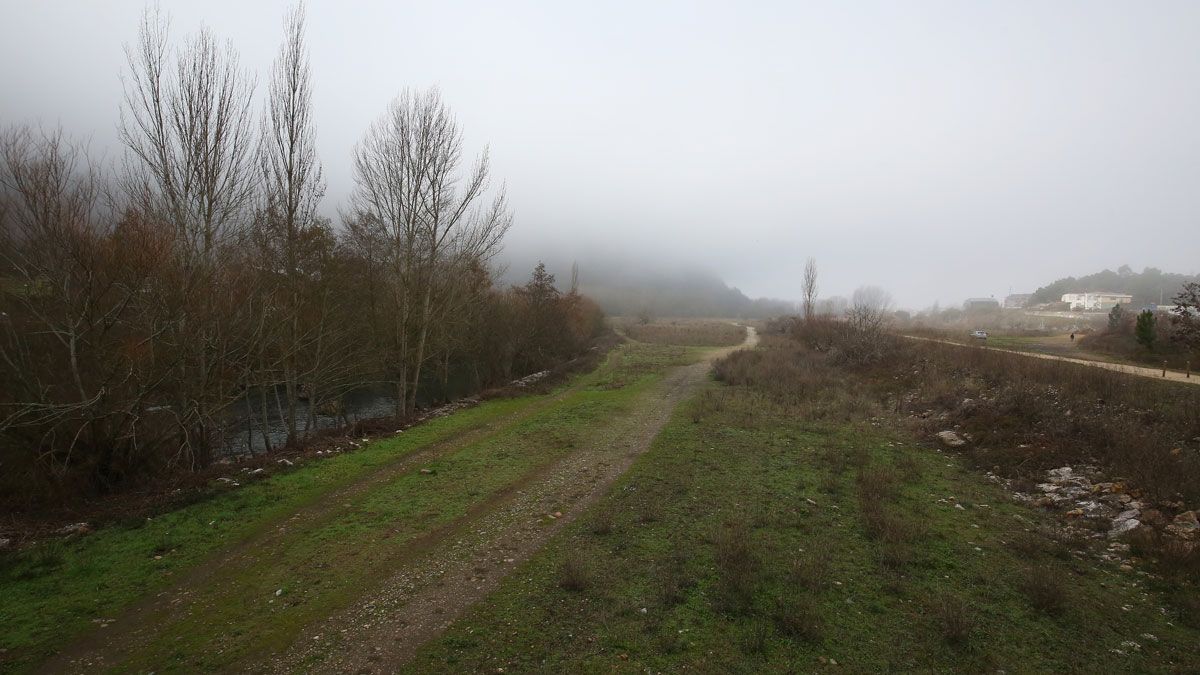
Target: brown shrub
737	567
810	570
1044	589
796	617
955	618
573	575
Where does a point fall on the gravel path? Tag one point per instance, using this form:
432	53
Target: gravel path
381	632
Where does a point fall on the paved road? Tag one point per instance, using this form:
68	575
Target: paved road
1140	371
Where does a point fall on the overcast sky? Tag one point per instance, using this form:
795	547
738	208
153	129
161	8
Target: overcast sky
938	149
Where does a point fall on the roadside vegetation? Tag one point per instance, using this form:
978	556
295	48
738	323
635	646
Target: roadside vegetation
792	517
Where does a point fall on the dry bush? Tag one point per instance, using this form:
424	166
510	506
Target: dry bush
876	484
1178	559
737	567
602	522
1044	589
1063	413
687	332
955	618
673	581
795	616
709	403
810	569
573	575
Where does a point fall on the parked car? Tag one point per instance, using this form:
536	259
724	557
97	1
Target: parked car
980	334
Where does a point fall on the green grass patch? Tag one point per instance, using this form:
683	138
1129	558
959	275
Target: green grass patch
750	540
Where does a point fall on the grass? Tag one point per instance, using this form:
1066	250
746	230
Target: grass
688	332
801	527
51	593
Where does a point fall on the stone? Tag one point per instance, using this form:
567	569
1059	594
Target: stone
1126	515
74	528
1123	527
1075	513
258	472
286	462
1061	474
1186	521
427	472
950	439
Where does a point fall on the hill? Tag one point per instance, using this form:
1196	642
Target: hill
1151	286
626	287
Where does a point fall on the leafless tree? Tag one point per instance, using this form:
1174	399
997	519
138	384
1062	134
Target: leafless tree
289	239
810	289
865	328
412	199
188	125
188	128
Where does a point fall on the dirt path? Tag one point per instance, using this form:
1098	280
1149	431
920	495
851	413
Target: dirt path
381	632
138	623
1140	371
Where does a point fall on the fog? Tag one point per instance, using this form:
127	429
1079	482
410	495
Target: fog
937	149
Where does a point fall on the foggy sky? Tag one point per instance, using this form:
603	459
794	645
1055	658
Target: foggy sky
937	149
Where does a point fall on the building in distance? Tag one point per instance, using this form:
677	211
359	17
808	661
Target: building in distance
1096	301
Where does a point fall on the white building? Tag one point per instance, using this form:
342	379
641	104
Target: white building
1096	302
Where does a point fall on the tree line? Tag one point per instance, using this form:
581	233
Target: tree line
139	301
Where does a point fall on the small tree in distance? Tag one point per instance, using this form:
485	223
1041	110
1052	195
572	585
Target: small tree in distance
1114	318
810	289
1186	317
1144	330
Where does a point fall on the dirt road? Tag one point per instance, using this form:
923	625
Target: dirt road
383	630
1140	371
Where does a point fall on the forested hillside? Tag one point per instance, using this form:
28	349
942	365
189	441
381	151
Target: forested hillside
1150	286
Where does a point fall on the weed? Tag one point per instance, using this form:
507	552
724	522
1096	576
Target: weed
573	575
795	617
955	618
1044	589
810	570
737	567
756	640
602	522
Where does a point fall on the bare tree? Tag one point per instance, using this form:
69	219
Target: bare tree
188	128
810	289
411	199
865	327
293	186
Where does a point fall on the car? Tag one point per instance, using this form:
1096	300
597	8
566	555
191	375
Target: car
980	334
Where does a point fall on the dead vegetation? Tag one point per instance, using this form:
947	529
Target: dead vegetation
688	332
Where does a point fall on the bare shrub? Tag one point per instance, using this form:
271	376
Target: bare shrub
810	569
795	616
1044	589
602	522
955	618
737	567
573	575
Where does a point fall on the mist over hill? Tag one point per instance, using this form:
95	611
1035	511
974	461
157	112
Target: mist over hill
625	286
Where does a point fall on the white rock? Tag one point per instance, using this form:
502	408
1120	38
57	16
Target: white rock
1122	527
1126	515
950	439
